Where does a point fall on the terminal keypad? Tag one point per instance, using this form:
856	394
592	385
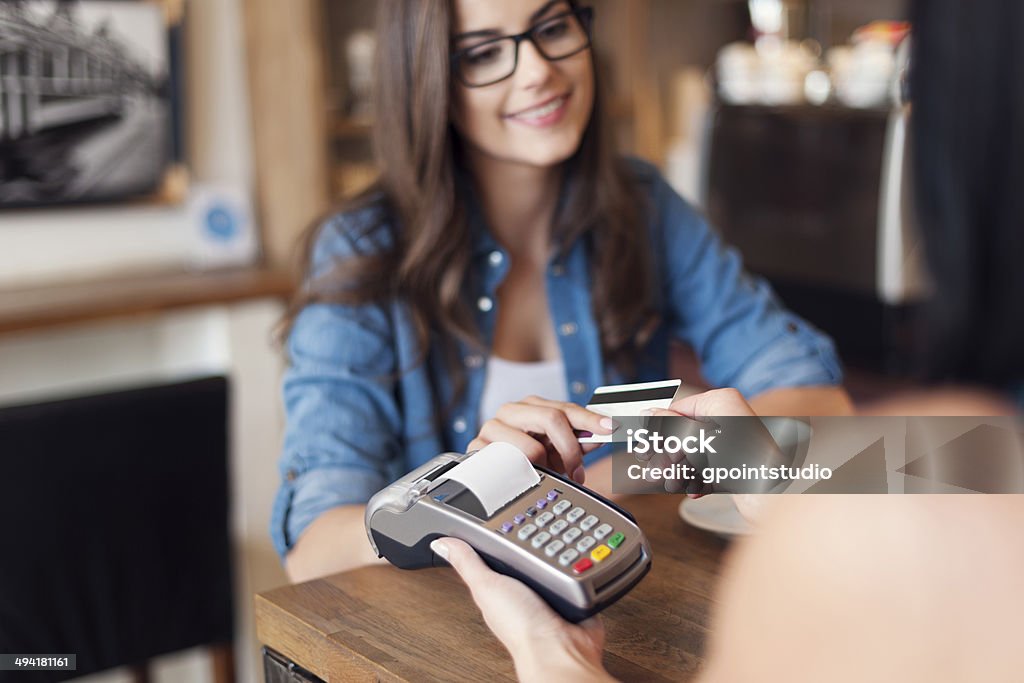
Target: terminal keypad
563	533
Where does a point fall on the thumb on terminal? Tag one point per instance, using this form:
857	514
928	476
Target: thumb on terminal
440	547
462	558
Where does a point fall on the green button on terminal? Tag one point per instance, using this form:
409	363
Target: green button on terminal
616	540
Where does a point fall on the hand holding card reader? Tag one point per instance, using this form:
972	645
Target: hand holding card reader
579	551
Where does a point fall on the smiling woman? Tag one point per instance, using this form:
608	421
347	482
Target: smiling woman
541	119
504	228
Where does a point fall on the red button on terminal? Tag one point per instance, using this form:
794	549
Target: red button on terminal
583	565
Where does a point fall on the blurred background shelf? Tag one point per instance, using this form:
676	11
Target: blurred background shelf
66	304
344	128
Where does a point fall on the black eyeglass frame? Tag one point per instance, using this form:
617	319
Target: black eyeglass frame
585	15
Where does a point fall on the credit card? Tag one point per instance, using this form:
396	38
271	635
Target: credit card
630	400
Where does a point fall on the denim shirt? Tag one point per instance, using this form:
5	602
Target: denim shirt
360	410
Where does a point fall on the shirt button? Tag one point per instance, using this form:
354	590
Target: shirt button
558	270
579	388
567	329
459	425
474	361
484	303
495	258
791	326
291	475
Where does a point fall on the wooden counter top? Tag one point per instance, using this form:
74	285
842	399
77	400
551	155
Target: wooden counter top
383	623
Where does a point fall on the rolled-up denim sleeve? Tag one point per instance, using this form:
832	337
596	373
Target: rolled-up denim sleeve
742	334
343	419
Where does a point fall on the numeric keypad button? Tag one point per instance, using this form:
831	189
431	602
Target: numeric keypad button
540	539
558	527
566	558
585	544
553	548
527	531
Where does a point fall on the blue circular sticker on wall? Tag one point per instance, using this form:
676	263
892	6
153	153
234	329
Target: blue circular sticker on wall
221	223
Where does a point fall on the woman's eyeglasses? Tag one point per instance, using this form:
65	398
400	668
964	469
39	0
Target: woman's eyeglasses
558	37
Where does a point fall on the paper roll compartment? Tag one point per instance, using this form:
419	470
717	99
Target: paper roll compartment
495	475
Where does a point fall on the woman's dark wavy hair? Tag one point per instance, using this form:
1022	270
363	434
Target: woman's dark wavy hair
417	150
967	89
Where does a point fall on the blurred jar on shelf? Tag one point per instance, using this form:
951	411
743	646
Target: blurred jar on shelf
770	72
863	71
360	48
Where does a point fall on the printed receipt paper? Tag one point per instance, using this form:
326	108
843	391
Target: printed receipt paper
496	474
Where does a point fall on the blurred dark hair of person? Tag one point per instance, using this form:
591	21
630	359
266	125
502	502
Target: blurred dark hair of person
967	123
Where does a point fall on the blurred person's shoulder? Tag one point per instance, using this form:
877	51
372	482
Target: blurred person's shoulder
673	224
878	569
645	175
656	189
364	226
361	227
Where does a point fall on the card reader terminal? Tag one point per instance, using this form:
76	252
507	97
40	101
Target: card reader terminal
578	550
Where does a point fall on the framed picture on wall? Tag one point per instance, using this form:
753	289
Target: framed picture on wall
90	105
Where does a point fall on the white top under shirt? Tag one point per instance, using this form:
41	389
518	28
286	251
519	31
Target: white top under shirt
509	381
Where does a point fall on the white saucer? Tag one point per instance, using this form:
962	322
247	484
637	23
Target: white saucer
715	513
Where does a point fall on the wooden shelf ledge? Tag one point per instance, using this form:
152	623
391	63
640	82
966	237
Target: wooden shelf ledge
83	302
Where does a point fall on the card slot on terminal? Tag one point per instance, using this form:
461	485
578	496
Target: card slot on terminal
438	471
